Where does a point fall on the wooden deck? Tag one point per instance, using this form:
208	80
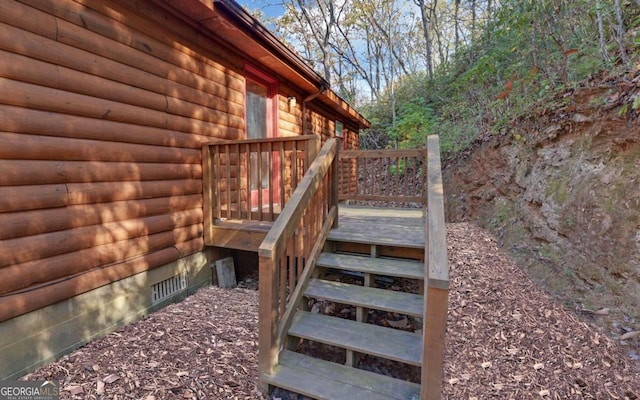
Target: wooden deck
388	228
381	226
395	232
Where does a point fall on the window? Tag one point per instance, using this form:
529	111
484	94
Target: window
339	129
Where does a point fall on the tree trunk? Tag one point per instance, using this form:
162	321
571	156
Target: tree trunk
321	34
603	43
473	19
473	30
427	36
456	22
441	49
620	32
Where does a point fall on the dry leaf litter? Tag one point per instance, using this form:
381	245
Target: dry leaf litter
506	339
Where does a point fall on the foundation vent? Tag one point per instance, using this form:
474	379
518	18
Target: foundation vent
168	287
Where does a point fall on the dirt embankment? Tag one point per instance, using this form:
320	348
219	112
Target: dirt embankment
561	190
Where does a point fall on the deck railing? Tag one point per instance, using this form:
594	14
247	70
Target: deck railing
253	179
289	252
383	175
411	176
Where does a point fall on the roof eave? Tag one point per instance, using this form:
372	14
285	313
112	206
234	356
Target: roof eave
230	22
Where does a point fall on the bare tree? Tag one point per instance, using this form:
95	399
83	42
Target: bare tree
426	28
620	32
456	24
319	18
603	42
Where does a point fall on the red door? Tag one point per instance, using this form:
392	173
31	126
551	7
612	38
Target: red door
261	120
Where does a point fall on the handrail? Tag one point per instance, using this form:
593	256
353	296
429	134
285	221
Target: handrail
283	228
436	278
289	252
300	138
383	175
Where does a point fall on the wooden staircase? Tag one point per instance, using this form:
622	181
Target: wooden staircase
321	379
308	241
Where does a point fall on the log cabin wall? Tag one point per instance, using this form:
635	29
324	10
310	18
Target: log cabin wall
104	105
102	112
351	141
348	168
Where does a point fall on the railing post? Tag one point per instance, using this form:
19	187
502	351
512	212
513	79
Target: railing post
207	194
313	147
268	344
436	279
335	190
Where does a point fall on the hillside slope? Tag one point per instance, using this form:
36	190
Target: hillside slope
561	190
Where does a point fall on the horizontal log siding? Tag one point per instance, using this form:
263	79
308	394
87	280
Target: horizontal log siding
348	168
103	109
35	222
320	125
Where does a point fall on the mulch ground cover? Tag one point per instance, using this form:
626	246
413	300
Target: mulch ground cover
506	339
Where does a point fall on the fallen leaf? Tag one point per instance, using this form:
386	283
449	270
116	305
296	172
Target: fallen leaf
486	364
538	366
111	378
602	311
453	381
329	309
403	323
543	393
577	365
99	387
74	390
629	335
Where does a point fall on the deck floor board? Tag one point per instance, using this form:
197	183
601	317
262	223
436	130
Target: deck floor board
384	226
381	226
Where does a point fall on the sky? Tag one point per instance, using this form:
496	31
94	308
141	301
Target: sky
268	7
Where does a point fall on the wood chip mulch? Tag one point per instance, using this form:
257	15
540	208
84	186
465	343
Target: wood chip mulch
204	347
506	339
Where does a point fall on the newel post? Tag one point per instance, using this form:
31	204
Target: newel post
436	294
268	346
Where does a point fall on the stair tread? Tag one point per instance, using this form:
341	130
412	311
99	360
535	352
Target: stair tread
379	299
378	266
410	238
365	338
326	380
